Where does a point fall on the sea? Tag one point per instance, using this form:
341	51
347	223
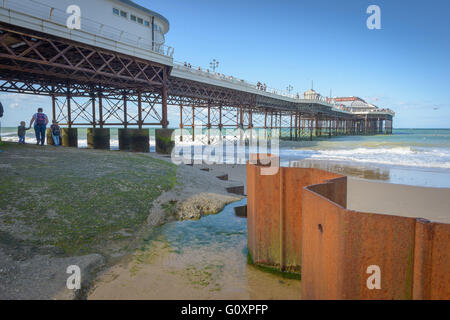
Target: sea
418	157
409	156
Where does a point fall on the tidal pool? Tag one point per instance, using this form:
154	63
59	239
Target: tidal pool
203	259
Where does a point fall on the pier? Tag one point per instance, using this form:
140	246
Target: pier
101	77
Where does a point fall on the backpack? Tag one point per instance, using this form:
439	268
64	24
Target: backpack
40	118
56	131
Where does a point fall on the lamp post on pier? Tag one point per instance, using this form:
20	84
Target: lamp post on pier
214	64
289	88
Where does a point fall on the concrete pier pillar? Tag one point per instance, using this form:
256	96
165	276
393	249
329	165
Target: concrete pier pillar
49	138
69	137
163	140
98	138
136	140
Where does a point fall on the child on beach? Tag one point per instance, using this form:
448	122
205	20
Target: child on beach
21	130
56	133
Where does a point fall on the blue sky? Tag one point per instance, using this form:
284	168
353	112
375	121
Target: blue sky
404	66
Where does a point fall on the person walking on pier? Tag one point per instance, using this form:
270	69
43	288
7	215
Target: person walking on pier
40	120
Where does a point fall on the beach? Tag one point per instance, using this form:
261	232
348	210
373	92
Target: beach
218	270
177	242
106	212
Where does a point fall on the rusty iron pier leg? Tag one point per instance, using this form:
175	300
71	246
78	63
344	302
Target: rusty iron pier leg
220	122
241	123
265	124
193	123
100	109
290	129
69	136
139	96
237	117
241	118
271	123
69	109
317	127
250	125
94	120
280	125
366	126
164	121
53	104
208	125
49	132
329	127
181	122
125	111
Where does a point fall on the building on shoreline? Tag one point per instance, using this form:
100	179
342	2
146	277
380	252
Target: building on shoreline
125	15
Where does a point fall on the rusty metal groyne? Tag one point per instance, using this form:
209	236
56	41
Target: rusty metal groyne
298	222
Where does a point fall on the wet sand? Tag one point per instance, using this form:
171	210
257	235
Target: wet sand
203	259
209	261
410	201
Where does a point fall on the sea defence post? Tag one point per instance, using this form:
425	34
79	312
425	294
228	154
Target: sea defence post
298	222
119	73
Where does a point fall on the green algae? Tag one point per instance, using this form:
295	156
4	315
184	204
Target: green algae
273	270
79	200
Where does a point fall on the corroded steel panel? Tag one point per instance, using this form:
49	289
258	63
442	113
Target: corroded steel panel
431	260
322	249
275	213
339	245
297	218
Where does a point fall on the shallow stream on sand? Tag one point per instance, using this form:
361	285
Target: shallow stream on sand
203	259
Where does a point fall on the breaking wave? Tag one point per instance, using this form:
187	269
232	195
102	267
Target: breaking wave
401	156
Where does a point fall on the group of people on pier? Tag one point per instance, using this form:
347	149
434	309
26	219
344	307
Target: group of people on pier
261	86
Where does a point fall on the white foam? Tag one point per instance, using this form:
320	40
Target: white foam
403	156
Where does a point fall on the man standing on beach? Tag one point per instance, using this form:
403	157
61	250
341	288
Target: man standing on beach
40	120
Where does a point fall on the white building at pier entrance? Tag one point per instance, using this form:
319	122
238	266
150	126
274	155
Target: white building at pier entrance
119	25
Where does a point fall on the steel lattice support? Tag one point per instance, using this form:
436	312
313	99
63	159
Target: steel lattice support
88	85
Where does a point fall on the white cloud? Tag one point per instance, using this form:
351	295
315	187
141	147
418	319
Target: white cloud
23	101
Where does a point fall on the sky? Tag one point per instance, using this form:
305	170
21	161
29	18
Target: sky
404	66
